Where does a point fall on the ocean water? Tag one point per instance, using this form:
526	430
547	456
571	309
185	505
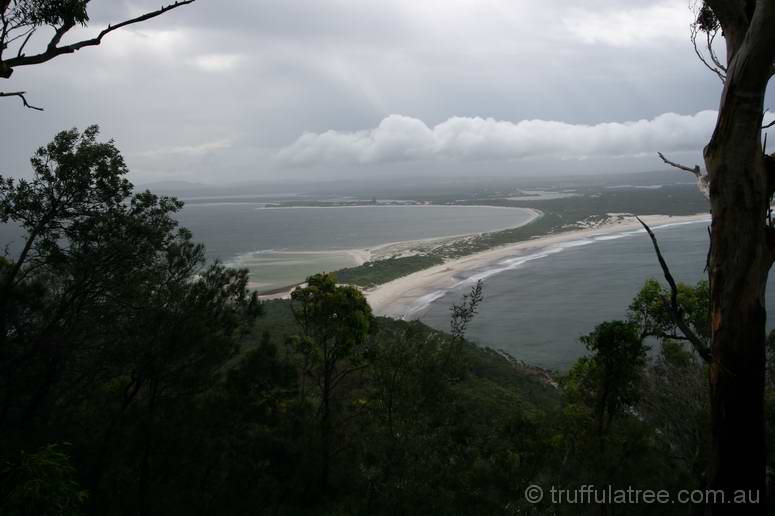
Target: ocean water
282	246
537	306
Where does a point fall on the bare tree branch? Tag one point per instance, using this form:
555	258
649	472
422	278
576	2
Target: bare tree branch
702	179
24	43
4	32
21	94
676	312
53	50
696	170
59	33
765	127
24	34
717	68
709	38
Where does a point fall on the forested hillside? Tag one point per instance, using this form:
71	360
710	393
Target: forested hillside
139	379
138	376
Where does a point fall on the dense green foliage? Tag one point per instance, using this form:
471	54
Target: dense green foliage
335	324
381	271
108	314
137	379
48	12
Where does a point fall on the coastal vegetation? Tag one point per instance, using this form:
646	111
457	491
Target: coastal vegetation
588	207
137	378
373	273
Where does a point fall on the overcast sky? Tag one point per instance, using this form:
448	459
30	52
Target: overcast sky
235	90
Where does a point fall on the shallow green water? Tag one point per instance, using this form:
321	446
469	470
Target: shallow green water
282	246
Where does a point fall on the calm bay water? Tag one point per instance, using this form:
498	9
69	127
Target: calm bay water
538	310
282	246
230	229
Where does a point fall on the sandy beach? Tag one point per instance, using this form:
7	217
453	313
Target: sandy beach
403	297
395	250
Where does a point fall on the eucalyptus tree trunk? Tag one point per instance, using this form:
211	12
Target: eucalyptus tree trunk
741	182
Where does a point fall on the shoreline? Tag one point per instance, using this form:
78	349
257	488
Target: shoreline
396	248
409	295
400	247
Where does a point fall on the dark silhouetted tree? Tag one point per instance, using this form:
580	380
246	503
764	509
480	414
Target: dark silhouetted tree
111	318
336	322
20	20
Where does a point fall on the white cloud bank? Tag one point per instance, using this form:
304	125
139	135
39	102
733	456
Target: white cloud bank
402	138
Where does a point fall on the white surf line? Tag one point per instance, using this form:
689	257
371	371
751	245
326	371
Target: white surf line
516	262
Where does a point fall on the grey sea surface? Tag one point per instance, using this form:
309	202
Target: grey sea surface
537	310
